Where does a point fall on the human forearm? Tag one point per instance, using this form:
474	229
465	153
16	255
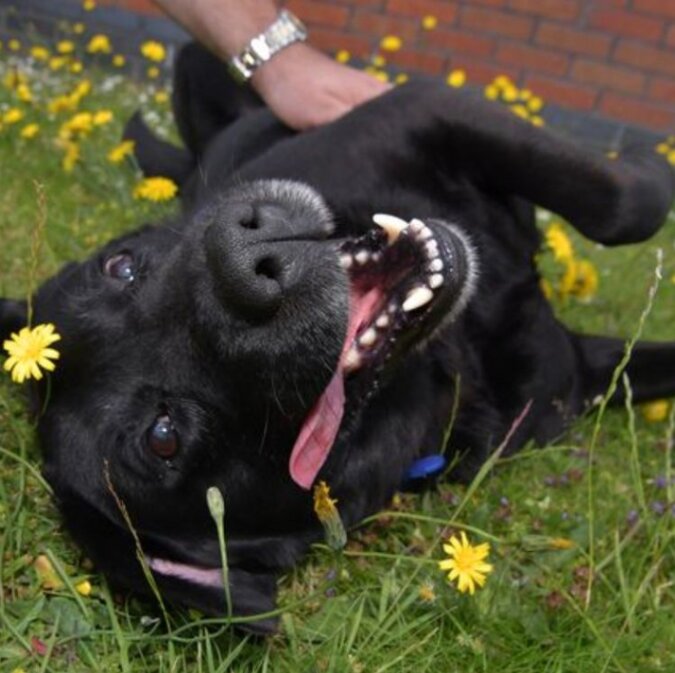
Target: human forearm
224	26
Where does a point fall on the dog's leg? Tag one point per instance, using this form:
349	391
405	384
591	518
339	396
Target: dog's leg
205	97
651	369
612	201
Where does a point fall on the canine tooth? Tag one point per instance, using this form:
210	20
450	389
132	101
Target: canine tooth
382	321
368	338
418	296
435	281
432	249
362	256
392	225
416	225
352	360
346	261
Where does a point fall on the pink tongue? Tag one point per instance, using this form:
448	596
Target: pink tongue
318	433
321	426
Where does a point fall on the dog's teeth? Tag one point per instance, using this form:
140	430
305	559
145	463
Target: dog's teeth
352	360
432	249
416	225
382	321
368	338
392	225
377	256
362	256
346	261
417	297
424	233
435	281
436	265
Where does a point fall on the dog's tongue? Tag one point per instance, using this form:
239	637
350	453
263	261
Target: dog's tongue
322	424
318	432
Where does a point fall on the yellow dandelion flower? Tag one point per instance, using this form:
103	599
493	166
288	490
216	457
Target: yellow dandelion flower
65	47
88	5
12	115
457	79
24	94
569	279
401	78
161	97
118	153
502	81
79	28
559	242
153	72
510	93
429	22
29	352
537	121
378	61
671	157
13	45
153	51
520	111
535	104
663	148
155	189
14	79
57	62
99	44
391	43
39	53
71	156
546	288
78	126
83	588
491	92
29	131
328	515
585	281
380	74
561	543
118	60
76	67
466	563
343	56
102	117
656	411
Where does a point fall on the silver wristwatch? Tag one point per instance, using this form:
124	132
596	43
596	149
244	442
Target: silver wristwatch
286	30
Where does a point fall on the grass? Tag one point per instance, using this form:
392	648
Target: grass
383	605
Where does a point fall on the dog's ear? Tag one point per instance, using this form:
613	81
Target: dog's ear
13	316
611	200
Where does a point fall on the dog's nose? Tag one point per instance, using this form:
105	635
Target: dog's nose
249	249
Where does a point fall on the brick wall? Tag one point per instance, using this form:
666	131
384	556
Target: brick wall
612	58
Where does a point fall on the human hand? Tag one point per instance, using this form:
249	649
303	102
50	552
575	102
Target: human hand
306	88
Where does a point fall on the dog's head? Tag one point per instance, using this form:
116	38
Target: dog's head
239	349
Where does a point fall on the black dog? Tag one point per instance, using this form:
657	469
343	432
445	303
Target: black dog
272	334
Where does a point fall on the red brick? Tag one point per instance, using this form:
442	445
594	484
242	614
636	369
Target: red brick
482	72
533	58
334	40
491	3
492	21
660	7
636	111
645	56
460	42
421	61
628	23
379	25
562	92
608	76
565	10
444	11
661	89
319	13
670	36
575	40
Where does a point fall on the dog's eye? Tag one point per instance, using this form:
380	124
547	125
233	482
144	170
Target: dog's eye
121	267
162	438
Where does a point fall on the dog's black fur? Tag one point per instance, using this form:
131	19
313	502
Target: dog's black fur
227	322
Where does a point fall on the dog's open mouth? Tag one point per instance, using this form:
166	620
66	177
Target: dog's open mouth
406	278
